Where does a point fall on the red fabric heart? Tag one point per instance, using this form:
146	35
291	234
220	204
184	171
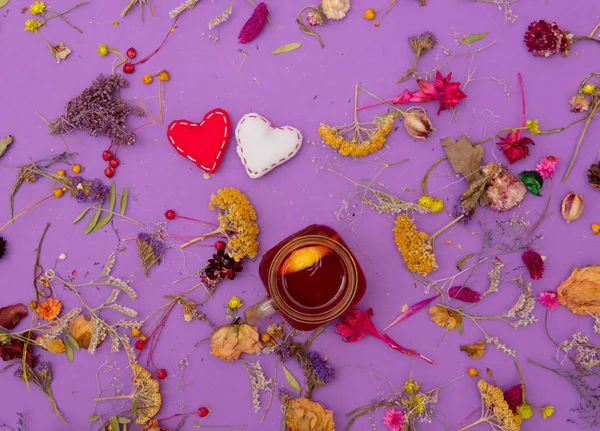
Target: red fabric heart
203	143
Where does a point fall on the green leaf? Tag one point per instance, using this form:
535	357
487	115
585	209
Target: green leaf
7	140
124	420
124	196
292	380
94	418
124	428
114	423
112	196
81	215
93	221
68	351
460	327
287	48
3	3
73	342
134	406
533	181
394	114
461	263
103	222
472	38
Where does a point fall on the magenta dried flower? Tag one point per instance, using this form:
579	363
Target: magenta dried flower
464	294
545	39
255	24
535	264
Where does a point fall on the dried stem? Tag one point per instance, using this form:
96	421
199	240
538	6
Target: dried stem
588	120
543	216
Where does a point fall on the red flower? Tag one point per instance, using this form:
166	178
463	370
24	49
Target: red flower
464	294
404	98
358	323
514	397
534	263
514	147
545	39
448	93
255	23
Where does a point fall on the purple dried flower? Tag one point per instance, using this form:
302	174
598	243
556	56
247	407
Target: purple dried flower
150	249
320	368
283	351
460	210
464	294
255	24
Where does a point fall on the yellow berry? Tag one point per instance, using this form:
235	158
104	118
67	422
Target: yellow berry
377	23
147	79
437	206
61	172
163	75
135	332
57	193
76	168
143	337
473	372
426	201
596	228
369	14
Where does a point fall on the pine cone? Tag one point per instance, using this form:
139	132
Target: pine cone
594	175
2	247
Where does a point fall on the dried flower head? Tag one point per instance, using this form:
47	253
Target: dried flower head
315	16
534	263
229	341
414	246
464	294
147	392
514	397
49	309
335	9
221	18
303	414
547	166
150	249
393	419
153	425
422	43
360	141
87	191
505	191
37	8
581	291
579	103
548	299
320	368
593	175
238	218
234	303
545	39
255	23
496	410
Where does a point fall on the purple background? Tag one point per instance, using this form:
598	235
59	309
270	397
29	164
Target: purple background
302	89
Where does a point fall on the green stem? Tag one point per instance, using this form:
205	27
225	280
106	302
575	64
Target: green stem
588	120
543	216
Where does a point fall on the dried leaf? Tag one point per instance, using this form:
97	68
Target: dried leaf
81	215
94	418
124	196
404	308
533	181
11	315
103	222
287	48
69	351
444	317
93	221
464	157
461	263
114	423
475	350
472	38
81	329
3	3
55	345
112	196
292	380
135	405
7	140
124	420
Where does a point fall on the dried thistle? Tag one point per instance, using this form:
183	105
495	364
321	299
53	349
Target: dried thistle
420	45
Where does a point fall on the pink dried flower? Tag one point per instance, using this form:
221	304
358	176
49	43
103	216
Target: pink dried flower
579	103
464	294
548	299
255	24
315	17
505	192
545	39
534	262
547	166
514	397
393	419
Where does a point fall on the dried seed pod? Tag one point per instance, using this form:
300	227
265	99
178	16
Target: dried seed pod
417	124
571	207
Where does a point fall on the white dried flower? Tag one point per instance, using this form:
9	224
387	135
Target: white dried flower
335	9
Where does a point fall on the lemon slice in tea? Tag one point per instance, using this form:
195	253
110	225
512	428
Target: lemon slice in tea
304	258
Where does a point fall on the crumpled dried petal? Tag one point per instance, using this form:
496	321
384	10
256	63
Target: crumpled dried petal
229	341
475	350
11	315
81	328
303	414
55	345
505	191
335	9
444	317
581	291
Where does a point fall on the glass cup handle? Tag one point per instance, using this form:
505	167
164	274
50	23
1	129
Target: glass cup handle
259	311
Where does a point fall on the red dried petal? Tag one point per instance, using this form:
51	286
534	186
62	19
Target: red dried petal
545	39
11	315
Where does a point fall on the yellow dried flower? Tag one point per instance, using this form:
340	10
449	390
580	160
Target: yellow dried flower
229	341
147	79
420	405
411	386
533	126
369	14
413	244
143	337
426	201
361	141
547	411
267	339
135	332
32	25
32	305
163	75
37	8
303	414
57	193
102	50
234	303
472	372
588	89
61	172
497	409
437	206
596	228
525	411
76	168
237	215
147	392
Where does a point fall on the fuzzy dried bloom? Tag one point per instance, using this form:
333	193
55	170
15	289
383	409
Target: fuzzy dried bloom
221	18
545	39
547	166
514	397
464	294
315	16
255	23
579	103
86	191
534	263
393	419
422	43
150	250
361	141
237	215
581	291
548	299
414	246
186	5
335	9
505	191
320	368
98	111
49	309
229	341
303	414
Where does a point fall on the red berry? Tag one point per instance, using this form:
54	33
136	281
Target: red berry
109	172
114	163
203	412
107	156
161	374
139	344
131	52
128	68
170	215
220	245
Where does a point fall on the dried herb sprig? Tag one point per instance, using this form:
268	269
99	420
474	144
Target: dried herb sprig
258	382
43	380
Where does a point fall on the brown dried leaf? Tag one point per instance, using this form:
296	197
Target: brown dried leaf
55	345
444	317
81	328
464	157
581	291
475	350
229	341
303	414
6	141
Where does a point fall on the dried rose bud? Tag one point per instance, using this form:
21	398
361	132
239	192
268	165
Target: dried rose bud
417	124
579	103
571	207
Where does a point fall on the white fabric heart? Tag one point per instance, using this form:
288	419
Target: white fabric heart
262	146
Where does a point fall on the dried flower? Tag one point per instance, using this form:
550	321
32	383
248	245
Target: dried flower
150	250
547	166
320	368
475	350
547	411
2	247
533	126
229	341
302	414
255	23
496	411
594	175
60	51
445	317
49	309
534	263
448	93
546	39
147	392
505	191
412	243
514	397
548	299
369	14
393	419
11	315
514	147
87	191
147	79
464	294
98	111
525	411
579	103
102	49
221	18
588	89
571	207
234	303
221	267
153	425
419	44
417	124
466	214
315	16
361	141
581	291
14	349
335	9
33	25
163	75
37	8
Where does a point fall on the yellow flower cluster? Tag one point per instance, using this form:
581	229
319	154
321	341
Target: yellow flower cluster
238	219
32	25
357	146
533	126
588	89
436	205
411	386
37	8
147	391
413	245
493	398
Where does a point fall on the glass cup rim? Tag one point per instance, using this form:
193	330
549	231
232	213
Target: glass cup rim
351	287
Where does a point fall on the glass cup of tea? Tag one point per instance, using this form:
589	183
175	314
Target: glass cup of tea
311	278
